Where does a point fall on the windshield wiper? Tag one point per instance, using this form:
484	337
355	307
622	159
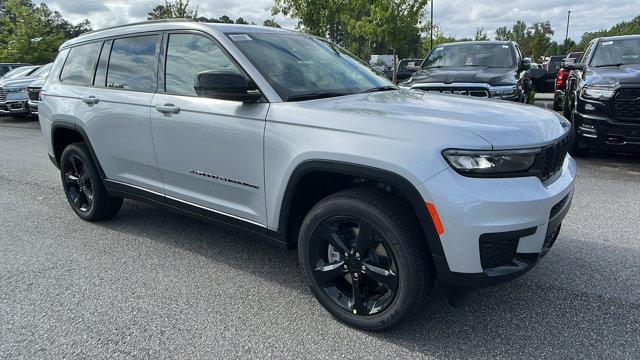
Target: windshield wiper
316	95
380	88
611	65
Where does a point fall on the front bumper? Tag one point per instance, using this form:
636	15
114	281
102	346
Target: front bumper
33	107
602	133
14	107
496	229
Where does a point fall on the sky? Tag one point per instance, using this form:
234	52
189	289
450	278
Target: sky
457	18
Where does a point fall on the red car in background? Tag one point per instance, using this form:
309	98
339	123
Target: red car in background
561	79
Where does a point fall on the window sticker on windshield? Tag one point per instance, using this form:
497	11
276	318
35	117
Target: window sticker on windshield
440	48
607	43
240	37
505	46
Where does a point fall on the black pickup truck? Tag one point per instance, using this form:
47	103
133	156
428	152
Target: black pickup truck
603	96
490	69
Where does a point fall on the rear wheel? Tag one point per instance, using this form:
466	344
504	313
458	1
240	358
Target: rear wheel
83	186
362	259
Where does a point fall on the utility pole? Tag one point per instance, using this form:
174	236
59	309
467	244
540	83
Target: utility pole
566	38
432	24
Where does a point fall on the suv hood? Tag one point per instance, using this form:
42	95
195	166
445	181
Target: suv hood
613	76
448	75
505	125
20	82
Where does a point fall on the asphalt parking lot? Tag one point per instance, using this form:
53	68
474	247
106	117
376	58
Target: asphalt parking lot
150	283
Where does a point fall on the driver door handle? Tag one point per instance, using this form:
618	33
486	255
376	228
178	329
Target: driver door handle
168	109
91	100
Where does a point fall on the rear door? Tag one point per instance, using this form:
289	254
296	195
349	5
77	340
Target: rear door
210	151
116	110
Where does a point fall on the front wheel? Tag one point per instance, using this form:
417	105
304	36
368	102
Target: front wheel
363	259
83	186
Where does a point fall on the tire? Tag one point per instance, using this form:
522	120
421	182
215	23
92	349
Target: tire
576	150
83	186
407	270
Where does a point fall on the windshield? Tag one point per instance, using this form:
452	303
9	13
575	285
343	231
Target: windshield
469	54
617	53
43	71
17	72
299	66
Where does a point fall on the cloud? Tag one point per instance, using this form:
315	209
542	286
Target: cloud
457	17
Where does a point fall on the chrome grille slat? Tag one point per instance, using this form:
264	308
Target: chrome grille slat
3	95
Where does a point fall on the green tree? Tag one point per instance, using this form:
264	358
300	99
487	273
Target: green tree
480	34
623	28
30	33
361	26
170	10
271	23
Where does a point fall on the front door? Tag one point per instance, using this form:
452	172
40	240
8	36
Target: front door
210	152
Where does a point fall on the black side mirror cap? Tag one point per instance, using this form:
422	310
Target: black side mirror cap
525	64
225	85
574	66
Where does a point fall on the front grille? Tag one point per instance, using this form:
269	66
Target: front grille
3	95
626	104
34	93
475	92
553	157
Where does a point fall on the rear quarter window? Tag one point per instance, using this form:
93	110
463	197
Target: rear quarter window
80	65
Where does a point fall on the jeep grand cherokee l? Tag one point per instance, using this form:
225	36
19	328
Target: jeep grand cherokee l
603	96
286	136
488	69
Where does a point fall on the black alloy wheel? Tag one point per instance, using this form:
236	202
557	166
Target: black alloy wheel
353	265
77	183
83	185
361	253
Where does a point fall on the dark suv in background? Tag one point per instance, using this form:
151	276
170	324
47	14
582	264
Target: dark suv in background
489	69
603	96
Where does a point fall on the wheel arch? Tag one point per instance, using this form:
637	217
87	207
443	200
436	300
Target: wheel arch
64	133
405	189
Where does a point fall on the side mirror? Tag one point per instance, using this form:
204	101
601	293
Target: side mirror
574	66
413	67
225	85
525	64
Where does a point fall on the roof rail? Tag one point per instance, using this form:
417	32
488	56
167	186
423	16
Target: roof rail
142	23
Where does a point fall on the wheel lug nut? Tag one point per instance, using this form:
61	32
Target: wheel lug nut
357	255
345	266
355	275
346	254
364	268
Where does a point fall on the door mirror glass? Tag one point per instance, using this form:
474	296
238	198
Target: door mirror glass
574	66
224	85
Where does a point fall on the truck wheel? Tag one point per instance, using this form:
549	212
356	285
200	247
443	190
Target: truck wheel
83	186
363	260
576	150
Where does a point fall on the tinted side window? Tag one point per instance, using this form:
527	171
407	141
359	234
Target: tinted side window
101	70
189	55
133	63
80	65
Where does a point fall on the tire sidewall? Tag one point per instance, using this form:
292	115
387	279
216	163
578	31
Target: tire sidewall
404	300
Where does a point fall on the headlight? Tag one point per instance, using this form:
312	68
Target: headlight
16	90
504	90
597	93
489	162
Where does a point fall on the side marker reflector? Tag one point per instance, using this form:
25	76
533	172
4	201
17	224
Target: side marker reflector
436	218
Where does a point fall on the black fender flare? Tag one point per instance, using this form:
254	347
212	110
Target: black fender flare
62	124
404	186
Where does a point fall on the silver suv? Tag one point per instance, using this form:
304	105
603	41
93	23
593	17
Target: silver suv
383	191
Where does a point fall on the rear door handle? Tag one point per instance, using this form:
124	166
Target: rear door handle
168	109
91	100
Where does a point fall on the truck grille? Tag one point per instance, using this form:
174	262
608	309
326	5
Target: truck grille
3	95
553	157
34	93
475	92
626	104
